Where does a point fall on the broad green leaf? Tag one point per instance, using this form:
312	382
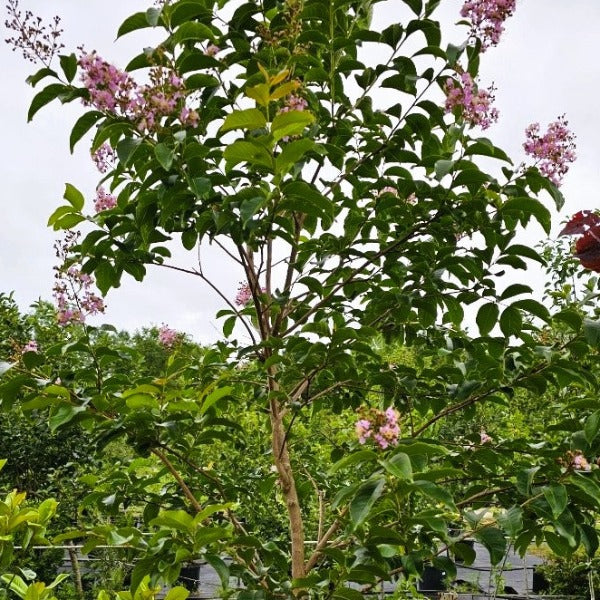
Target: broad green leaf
245	151
250	118
511	321
177	593
192	31
82	126
592	427
132	23
68	63
292	153
557	497
399	466
365	498
487	317
290	123
164	155
511	520
53	91
591	330
74	197
65	414
350	460
220	567
494	541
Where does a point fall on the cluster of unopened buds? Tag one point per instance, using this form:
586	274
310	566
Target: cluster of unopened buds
475	105
73	290
167	337
487	19
381	427
587	248
553	151
115	92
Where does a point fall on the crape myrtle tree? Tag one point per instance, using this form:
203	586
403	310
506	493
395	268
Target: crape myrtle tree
352	201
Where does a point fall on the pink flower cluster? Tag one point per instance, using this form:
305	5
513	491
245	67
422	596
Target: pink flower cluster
114	91
30	346
244	294
475	105
104	201
212	50
487	19
485	438
380	426
73	290
167	337
104	158
294	102
553	151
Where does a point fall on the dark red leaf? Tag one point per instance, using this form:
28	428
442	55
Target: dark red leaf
580	223
587	248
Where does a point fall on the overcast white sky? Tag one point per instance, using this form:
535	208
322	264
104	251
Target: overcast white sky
545	66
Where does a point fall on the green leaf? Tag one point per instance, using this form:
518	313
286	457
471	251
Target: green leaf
220	567
515	289
430	489
511	520
591	329
399	466
34	79
524	480
126	149
174	519
177	593
529	207
292	153
511	321
164	155
192	31
290	123
350	460
74	197
68	63
365	498
442	168
494	541
487	317
65	414
557	497
250	152
250	118
82	126
533	307
200	186
2	463
592	427
53	91
132	23
585	483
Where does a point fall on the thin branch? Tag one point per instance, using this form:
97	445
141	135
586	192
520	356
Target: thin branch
184	488
314	557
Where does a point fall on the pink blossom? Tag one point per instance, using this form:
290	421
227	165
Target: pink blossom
294	102
104	201
388	189
212	50
244	293
167	337
30	346
73	290
552	151
487	19
380	426
485	438
580	463
189	117
363	430
473	104
104	158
